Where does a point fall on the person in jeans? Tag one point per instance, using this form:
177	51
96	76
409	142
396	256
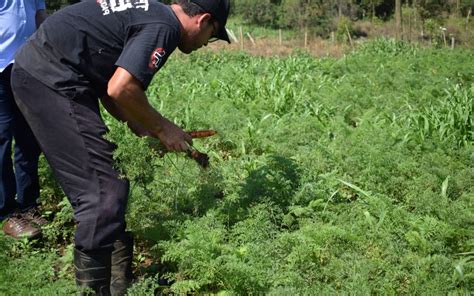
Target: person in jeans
19	186
110	50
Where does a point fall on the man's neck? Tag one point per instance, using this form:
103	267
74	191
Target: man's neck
182	18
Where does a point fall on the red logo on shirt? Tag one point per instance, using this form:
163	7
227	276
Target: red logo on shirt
156	57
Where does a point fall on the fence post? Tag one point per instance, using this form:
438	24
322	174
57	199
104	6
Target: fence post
241	33
232	35
443	31
305	38
349	35
468	16
409	26
251	39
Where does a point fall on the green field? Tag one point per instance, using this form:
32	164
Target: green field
328	176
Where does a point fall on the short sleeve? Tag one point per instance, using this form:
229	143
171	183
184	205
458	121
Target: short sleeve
147	50
40	5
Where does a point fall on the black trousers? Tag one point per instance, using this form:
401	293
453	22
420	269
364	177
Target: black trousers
70	130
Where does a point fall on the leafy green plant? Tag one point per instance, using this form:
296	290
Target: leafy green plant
322	179
449	120
383	46
344	29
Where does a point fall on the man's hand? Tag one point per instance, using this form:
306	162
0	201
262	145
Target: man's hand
173	137
127	101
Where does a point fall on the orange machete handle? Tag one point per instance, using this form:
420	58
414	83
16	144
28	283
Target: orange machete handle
202	134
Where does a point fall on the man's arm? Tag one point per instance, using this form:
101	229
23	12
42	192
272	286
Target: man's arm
129	103
40	16
115	111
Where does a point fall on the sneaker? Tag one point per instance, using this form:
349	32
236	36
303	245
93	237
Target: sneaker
19	227
35	217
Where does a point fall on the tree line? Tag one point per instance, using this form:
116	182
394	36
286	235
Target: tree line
318	15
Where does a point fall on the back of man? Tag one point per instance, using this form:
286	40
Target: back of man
83	44
19	187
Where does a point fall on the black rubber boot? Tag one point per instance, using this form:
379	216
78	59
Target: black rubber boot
93	271
121	272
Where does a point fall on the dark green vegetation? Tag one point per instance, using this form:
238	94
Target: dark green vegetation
437	22
322	16
441	23
350	176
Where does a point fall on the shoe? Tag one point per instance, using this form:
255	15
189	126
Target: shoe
121	270
93	271
19	227
35	217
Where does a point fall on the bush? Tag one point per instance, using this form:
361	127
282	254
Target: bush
262	13
303	14
390	47
344	27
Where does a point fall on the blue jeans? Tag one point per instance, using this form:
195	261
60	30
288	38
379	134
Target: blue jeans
19	184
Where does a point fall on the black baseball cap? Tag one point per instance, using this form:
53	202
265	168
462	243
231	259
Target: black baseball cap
219	10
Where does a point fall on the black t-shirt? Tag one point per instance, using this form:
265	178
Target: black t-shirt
83	44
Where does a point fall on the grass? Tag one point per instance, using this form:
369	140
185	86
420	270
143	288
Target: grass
328	176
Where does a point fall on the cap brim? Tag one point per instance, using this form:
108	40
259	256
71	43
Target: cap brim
223	35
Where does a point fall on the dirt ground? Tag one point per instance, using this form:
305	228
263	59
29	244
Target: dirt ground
273	47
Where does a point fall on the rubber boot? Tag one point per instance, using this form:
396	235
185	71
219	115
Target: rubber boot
93	271
121	271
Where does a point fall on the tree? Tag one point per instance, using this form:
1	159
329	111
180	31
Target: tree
304	14
371	5
398	17
432	8
262	13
